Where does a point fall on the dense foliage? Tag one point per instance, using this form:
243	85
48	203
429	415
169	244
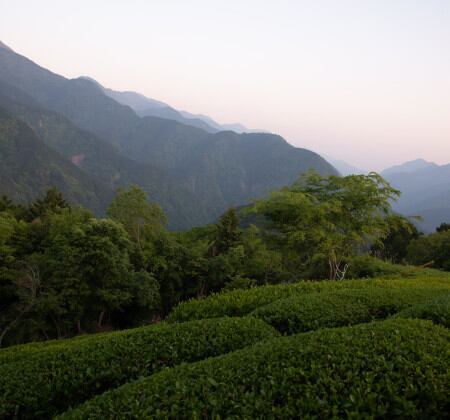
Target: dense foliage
434	247
330	216
377	370
41	382
436	310
28	166
339	308
65	273
243	302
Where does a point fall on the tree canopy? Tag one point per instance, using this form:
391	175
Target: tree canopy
333	216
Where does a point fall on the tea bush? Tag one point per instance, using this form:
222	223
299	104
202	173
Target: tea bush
394	368
436	310
338	308
48	382
242	302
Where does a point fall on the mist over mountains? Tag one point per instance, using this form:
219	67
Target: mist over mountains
424	186
193	172
95	139
425	190
144	106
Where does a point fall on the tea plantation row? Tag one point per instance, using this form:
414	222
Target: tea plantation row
385	369
339	308
49	381
242	302
39	380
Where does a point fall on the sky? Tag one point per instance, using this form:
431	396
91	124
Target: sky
365	81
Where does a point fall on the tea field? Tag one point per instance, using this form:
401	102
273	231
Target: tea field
365	348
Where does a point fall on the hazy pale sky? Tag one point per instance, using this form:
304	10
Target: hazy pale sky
366	81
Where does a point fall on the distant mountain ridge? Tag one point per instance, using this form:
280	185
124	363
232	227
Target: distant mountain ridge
410	166
145	106
4	46
192	173
344	168
425	189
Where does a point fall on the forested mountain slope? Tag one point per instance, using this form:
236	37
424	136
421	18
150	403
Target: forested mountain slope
212	171
28	167
102	161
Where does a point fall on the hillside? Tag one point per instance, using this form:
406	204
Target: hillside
408	167
370	347
28	167
102	161
147	107
144	106
425	191
216	170
344	168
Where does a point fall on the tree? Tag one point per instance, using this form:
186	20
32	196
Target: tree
85	271
17	210
27	287
139	218
53	202
434	247
18	287
443	227
334	216
227	233
393	246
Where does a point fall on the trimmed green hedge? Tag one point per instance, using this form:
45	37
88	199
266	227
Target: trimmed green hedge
237	302
242	302
338	308
393	368
48	382
14	353
436	310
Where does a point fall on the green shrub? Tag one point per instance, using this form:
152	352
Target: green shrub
238	302
393	368
338	308
436	310
367	266
14	353
242	302
50	381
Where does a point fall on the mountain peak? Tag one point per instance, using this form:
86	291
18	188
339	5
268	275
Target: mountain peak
410	166
90	79
4	46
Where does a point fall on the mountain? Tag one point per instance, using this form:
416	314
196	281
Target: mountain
425	191
144	107
102	161
5	47
236	127
407	167
196	173
28	167
344	168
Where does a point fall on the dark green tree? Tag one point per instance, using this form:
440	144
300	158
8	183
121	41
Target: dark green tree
139	218
443	227
227	232
53	202
434	247
19	283
393	246
333	216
